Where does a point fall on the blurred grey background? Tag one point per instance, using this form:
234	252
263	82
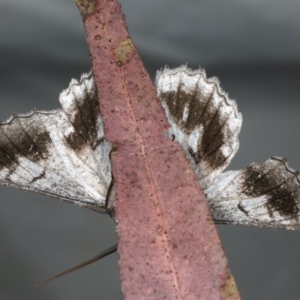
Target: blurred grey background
253	46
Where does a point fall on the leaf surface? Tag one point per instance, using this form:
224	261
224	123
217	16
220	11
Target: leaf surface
168	245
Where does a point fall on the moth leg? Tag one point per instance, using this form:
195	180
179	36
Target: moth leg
109	191
83	264
111	152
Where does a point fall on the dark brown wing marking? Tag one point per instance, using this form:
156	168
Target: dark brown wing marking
20	139
204	120
63	153
265	195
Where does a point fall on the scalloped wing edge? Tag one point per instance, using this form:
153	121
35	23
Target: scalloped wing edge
203	119
60	153
264	195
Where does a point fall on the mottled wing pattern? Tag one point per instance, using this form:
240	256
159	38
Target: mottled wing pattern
61	153
206	123
64	153
203	119
265	195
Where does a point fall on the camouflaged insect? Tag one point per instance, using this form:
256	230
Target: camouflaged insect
64	153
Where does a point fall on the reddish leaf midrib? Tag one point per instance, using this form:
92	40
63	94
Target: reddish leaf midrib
149	176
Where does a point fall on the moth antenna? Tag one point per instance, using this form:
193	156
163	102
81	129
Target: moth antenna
83	264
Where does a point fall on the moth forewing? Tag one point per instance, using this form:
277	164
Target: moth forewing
63	153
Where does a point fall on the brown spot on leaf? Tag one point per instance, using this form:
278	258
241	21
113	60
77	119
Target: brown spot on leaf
124	50
86	7
229	289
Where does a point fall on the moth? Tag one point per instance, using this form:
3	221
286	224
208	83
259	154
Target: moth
64	153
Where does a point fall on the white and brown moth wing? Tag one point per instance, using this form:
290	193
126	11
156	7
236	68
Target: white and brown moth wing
265	195
61	153
202	117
